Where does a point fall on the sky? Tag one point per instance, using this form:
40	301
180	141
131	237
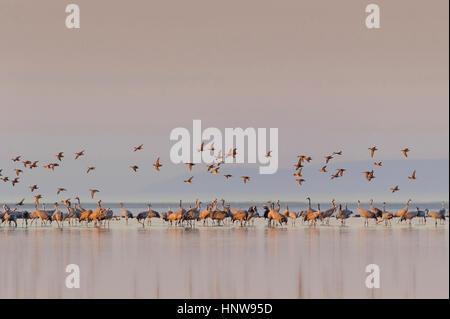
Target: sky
136	70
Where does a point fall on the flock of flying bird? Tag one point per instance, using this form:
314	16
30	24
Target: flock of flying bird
212	212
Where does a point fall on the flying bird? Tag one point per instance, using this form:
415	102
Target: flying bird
15	181
18	171
395	189
16	159
372	150
138	148
245	179
227	176
405	151
34	164
328	158
93	191
21	202
134	167
189	180
337	153
90	168
299	172
335	175
190	165
215	171
323	169
377	164
157	164
26	163
60	189
300	181
413	176
202	146
211	148
51	166
369	175
33	188
59	156
268	154
340	171
79	154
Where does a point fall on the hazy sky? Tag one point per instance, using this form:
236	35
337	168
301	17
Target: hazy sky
136	70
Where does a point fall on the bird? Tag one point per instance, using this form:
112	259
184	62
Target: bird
93	191
34	164
403	210
15	181
157	164
369	175
405	151
268	154
245	179
365	214
51	166
377	164
413	176
59	156
299	172
60	189
126	213
337	153
372	150
304	158
215	171
375	210
16	159
21	202
134	167
190	165
335	175
340	171
385	216
33	188
300	181
90	168
211	148
202	146
79	154
189	180
298	165
26	163
210	167
323	169
395	189
18	171
138	148
227	176
328	158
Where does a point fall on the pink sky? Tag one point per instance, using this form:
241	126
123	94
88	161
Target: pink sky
135	71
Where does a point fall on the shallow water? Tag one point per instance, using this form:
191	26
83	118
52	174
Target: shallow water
128	261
